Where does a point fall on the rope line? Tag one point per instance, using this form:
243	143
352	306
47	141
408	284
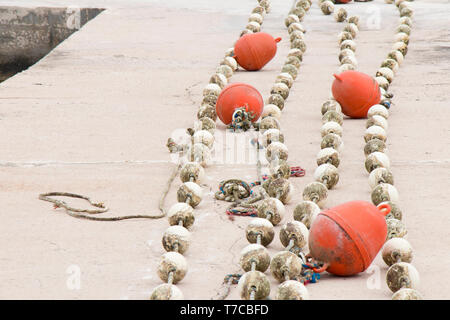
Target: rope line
87	213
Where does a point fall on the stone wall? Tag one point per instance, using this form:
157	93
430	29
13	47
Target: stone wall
28	34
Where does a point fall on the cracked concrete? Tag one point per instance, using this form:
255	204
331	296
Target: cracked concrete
94	115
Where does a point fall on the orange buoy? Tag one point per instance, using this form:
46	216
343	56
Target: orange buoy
235	96
348	237
254	50
356	92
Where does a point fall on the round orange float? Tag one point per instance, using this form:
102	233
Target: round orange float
348	237
356	92
254	50
237	95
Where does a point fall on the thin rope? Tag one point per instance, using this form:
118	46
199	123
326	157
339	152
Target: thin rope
87	213
230	279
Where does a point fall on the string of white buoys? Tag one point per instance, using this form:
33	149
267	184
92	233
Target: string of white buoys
326	175
255	259
402	277
172	267
286	266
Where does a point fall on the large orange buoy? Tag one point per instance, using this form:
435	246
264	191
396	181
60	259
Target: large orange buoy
348	237
254	50
237	95
356	92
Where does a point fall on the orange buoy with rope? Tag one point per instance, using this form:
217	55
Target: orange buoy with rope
253	51
348	237
356	92
239	104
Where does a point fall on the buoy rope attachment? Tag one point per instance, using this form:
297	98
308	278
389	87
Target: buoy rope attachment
242	119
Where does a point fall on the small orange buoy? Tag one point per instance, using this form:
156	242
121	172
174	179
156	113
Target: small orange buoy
238	95
253	51
348	237
356	92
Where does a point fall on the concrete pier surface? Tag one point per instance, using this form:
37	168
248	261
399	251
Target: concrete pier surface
94	115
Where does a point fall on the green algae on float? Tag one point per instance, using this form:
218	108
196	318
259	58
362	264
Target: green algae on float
254	254
281	189
306	212
296	232
385	72
376	160
285	265
375	132
277	100
207	111
333	116
192	171
377	120
298	44
343	36
292	18
331	127
329	105
391	64
374	145
396	212
291	69
207	124
384	192
271	110
272	135
286	78
268	123
181	212
327	7
166	291
328	155
254	283
397	250
260	228
340	15
316	192
292	290
191	193
279	169
271	209
176	238
348	44
402	275
276	151
407	294
172	263
327	174
396	229
295	61
280	88
380	175
332	140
